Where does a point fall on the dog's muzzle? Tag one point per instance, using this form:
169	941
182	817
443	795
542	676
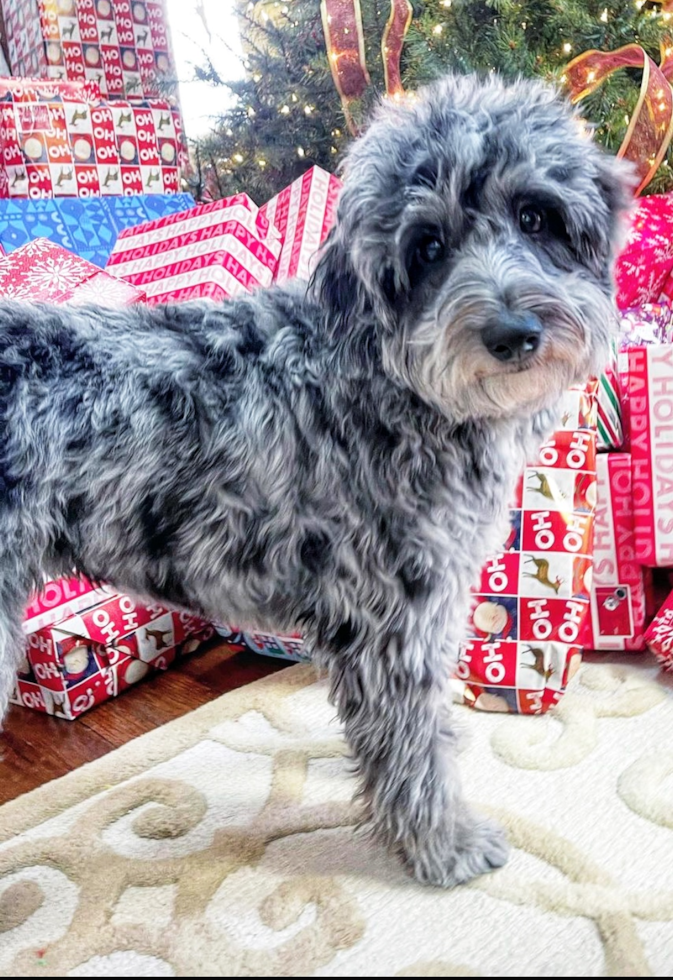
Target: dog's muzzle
513	337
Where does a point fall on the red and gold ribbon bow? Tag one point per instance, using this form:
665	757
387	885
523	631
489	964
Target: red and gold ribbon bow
342	25
650	128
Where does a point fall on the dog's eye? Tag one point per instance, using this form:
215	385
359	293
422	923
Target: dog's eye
430	250
532	220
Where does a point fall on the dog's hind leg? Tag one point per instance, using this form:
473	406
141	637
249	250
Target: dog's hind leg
396	713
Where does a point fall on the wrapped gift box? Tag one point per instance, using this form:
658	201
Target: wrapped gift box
123	46
222	249
43	272
529	614
287	647
60	598
659	635
303	213
81	660
618	592
63	140
86	226
646	261
610	432
649	383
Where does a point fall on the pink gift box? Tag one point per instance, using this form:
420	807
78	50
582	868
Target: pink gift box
618	592
41	271
303	213
222	249
649	386
76	661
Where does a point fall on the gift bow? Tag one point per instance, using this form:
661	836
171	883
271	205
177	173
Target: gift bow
650	129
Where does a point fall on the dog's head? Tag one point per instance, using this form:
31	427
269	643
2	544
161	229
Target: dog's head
476	234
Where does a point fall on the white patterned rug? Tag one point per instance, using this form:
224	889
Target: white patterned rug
222	845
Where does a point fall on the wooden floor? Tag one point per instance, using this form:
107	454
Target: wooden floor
35	747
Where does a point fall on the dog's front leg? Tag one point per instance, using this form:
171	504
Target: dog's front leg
397	716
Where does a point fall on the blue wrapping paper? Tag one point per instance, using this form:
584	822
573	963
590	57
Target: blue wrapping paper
88	227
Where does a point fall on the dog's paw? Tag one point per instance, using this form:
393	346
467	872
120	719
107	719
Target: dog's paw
478	846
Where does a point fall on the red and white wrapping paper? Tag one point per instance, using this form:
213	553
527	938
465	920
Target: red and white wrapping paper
122	45
650	416
148	147
56	140
63	140
529	613
60	598
618	594
303	213
44	272
82	660
217	250
659	635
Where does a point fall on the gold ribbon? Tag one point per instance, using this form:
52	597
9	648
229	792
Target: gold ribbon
342	25
650	128
392	42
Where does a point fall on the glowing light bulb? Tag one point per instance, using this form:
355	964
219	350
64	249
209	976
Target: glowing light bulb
567	48
238	158
308	109
300	151
604	16
285	110
294	97
591	77
437	29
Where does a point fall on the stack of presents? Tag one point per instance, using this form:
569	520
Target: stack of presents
91	150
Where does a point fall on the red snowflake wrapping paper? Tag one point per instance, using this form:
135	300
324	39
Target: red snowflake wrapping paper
303	213
217	250
82	660
649	384
659	635
44	272
646	261
618	592
530	611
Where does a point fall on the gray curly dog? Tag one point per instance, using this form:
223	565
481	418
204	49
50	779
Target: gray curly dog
336	458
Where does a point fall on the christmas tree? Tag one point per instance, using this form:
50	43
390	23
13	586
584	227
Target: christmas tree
287	113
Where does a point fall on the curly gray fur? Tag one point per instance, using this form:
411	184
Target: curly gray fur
336	459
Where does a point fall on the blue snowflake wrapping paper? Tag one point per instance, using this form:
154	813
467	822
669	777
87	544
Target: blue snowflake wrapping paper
88	227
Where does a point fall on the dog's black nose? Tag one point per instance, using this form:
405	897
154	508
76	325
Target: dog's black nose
513	337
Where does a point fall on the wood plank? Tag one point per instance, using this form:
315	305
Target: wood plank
36	748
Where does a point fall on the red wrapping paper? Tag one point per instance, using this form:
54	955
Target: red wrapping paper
63	140
122	45
44	272
303	213
618	593
646	261
79	661
222	249
649	382
659	635
530	611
